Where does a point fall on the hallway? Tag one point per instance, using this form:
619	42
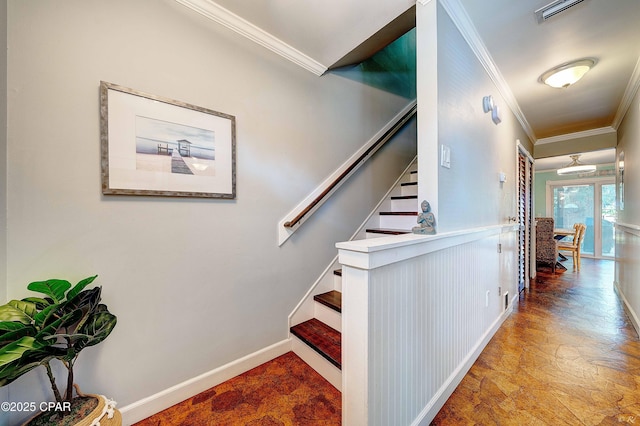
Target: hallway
567	355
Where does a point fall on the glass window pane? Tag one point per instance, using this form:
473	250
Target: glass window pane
575	204
608	219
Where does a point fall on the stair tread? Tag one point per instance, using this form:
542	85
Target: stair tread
404	197
409	184
331	299
388	231
338	272
321	338
398	213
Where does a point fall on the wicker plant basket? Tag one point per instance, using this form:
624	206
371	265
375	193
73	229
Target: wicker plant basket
105	414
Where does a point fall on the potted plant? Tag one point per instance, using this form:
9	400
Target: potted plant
37	330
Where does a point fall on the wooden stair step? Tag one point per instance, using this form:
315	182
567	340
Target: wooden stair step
338	272
398	213
388	231
404	197
322	339
409	184
331	299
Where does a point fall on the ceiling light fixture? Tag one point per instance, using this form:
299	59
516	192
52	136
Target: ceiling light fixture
566	74
576	167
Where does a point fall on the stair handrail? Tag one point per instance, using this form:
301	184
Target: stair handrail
302	212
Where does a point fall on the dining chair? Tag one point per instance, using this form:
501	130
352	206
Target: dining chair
574	246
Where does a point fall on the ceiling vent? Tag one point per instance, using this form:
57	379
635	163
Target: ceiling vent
552	9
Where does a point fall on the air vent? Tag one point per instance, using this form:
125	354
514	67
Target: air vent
552	9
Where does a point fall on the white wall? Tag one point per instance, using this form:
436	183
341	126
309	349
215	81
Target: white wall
470	193
4	394
195	283
627	267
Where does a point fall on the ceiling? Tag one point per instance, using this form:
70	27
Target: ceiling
325	33
603	156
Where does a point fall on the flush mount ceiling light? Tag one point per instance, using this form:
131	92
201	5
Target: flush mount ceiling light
576	167
566	74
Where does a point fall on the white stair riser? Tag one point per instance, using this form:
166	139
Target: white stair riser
398	222
337	282
410	205
413	177
328	316
317	362
409	190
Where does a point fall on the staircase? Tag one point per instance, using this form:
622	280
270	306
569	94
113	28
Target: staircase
318	321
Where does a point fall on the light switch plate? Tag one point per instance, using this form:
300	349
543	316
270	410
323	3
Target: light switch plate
445	156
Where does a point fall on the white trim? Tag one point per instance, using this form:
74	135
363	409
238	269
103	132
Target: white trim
373	253
627	97
424	2
162	400
631	314
464	24
283	232
576	135
307	299
629	228
524	151
440	398
211	10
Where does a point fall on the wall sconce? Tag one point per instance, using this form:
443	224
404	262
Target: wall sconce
489	105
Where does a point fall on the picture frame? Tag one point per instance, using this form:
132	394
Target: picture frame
155	146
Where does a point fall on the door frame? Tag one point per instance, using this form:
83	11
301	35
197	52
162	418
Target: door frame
526	257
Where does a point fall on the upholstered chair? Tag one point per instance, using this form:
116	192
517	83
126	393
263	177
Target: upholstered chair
546	245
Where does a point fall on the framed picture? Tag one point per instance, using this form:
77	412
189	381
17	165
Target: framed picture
162	147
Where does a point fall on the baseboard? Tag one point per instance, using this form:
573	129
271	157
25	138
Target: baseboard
627	308
440	398
153	404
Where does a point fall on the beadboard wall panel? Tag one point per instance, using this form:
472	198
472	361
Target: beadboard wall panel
413	327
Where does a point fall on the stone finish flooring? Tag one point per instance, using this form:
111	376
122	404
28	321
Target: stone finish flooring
282	392
567	355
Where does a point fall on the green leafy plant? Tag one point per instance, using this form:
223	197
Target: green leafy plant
36	330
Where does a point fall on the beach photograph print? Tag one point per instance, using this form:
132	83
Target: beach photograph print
167	147
157	146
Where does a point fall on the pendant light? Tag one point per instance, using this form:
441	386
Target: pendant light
576	167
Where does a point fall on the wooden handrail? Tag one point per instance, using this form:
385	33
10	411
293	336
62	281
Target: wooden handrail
355	164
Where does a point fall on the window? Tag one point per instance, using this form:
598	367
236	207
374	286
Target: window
582	201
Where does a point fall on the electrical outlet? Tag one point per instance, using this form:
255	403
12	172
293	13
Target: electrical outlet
499	291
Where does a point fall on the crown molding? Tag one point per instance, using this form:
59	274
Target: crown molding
576	135
462	21
627	97
216	13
